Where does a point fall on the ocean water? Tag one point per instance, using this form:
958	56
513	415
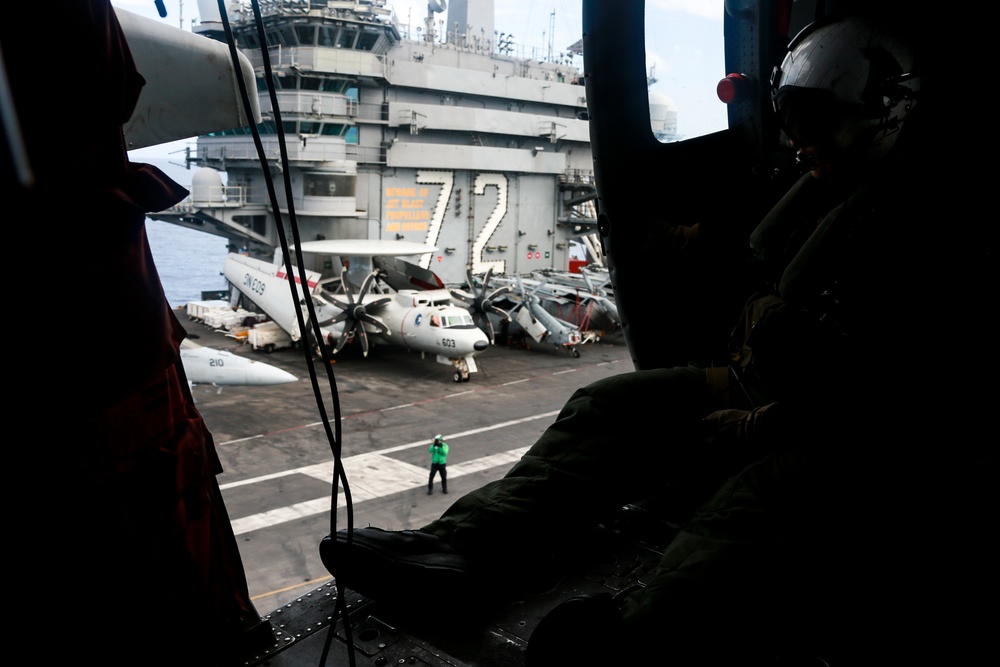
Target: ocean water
189	262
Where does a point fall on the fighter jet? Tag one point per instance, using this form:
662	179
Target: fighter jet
205	365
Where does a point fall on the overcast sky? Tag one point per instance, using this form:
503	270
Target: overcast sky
684	45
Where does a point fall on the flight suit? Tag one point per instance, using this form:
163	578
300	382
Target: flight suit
767	514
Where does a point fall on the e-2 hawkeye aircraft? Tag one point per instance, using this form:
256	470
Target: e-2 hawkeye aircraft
421	320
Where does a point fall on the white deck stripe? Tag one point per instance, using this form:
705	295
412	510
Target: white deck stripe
324	470
370	476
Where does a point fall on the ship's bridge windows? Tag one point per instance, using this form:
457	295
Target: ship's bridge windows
248	40
309	128
285	35
329	185
369	40
310	83
306	35
327	36
333	129
255	223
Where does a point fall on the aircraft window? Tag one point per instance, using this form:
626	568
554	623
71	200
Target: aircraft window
685	59
460	321
435	320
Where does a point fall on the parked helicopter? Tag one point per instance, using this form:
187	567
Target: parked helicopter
545	311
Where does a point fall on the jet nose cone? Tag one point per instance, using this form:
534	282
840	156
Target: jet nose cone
265	374
481	345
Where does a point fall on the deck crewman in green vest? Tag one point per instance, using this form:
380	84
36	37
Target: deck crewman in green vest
439	461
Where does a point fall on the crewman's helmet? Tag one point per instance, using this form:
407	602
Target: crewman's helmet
847	84
437	438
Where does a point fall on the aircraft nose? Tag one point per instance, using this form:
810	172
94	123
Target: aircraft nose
265	374
481	345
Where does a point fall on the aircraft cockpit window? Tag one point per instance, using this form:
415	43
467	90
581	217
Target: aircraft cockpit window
459	321
684	63
435	320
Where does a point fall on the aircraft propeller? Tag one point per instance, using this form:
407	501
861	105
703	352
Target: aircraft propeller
481	304
354	312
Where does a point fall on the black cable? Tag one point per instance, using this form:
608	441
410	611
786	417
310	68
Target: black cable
333	437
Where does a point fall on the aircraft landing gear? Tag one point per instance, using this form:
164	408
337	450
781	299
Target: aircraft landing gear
461	370
576	353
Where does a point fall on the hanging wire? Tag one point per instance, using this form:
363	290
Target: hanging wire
333	433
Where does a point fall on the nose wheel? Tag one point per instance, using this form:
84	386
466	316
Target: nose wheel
462	373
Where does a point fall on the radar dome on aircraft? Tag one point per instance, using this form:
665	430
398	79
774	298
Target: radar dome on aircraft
663	117
206	187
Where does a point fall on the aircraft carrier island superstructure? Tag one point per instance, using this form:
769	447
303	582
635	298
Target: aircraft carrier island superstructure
435	133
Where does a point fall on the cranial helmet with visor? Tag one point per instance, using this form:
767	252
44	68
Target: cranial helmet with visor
848	85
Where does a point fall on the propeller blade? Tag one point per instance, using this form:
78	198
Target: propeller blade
488	327
346	284
364	341
344	337
500	290
486	282
377	323
366	285
500	312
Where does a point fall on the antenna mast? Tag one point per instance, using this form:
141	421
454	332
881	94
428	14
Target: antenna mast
552	32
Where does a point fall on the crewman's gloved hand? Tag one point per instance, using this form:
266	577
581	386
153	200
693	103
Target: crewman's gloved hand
753	430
